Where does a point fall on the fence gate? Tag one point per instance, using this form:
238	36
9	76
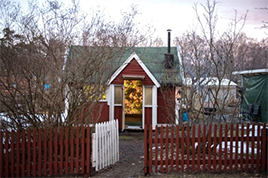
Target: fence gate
105	144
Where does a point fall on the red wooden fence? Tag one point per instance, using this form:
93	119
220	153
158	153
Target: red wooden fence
212	148
47	152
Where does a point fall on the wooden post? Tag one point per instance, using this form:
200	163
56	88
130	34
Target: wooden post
182	148
150	150
1	155
264	149
188	148
177	147
61	150
166	147
39	152
146	170
161	148
156	150
258	147
199	148
18	154
193	148
204	141
172	148
45	152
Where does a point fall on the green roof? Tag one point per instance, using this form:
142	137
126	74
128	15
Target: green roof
152	57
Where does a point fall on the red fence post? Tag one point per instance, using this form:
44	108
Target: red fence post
242	148
72	151
193	148
225	148
12	170
77	151
204	141
23	148
45	152
56	151
199	148
18	154
177	147
88	152
83	149
1	155
40	152
252	147
214	147
231	147
66	151
172	148
29	145
156	150
50	145
247	149
61	151
161	148
146	170
182	148
220	148
166	147
264	152
150	150
188	148
209	148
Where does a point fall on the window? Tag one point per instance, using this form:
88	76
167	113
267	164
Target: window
148	96
118	95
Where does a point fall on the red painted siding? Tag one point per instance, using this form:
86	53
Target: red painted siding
95	116
118	115
133	68
148	117
166	105
104	112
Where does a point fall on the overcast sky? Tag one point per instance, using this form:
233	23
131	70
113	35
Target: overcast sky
179	16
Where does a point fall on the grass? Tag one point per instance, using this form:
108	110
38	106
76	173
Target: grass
125	137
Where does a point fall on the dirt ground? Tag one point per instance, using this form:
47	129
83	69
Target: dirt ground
131	150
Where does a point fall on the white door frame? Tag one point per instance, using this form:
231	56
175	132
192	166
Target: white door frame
153	106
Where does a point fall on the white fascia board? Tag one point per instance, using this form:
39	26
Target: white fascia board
180	65
136	57
246	72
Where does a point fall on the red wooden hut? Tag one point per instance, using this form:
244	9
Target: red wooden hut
155	73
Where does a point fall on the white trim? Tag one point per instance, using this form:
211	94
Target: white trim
133	76
154	109
153	106
123	66
164	125
180	65
246	72
111	109
143	106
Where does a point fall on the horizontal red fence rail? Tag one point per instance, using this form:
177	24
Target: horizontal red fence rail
45	152
206	148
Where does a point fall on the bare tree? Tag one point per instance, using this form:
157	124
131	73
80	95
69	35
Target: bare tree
43	66
208	60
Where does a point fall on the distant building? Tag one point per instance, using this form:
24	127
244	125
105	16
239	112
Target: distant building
255	94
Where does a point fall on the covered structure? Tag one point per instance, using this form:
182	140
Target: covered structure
203	92
254	94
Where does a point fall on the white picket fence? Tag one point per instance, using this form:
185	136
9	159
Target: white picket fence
105	144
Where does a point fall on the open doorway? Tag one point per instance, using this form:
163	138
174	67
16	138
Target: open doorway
133	102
